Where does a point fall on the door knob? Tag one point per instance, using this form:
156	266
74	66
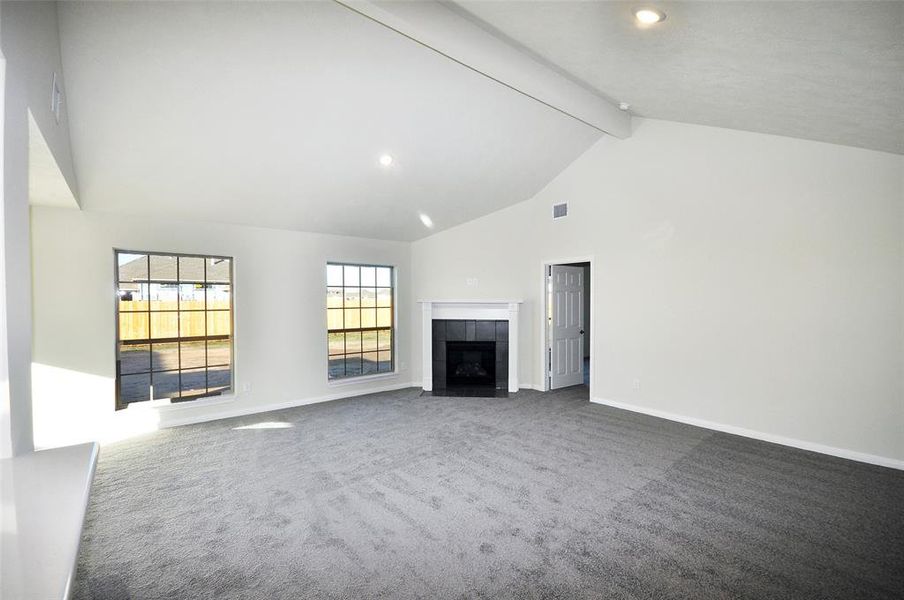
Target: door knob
582	332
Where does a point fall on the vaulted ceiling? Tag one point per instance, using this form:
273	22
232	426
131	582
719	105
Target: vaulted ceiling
826	71
275	115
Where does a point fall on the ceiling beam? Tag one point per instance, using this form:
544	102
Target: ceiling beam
444	31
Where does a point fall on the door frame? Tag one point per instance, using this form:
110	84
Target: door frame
544	325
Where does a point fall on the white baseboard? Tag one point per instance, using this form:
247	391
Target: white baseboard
250	410
758	435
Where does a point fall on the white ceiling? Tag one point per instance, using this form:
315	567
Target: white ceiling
827	71
275	114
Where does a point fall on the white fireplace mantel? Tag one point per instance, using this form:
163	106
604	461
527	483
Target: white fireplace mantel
496	310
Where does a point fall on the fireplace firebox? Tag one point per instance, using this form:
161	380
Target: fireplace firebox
470	364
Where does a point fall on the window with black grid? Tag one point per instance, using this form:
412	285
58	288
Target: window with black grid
360	329
173	326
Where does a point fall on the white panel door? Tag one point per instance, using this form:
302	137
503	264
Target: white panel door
566	327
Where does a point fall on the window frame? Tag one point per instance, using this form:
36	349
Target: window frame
151	340
393	319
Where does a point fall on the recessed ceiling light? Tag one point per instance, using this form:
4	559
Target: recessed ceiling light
427	221
385	160
649	16
624	106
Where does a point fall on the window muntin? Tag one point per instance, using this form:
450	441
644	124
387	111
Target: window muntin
173	326
359	316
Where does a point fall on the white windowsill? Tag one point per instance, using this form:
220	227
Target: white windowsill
361	379
44	498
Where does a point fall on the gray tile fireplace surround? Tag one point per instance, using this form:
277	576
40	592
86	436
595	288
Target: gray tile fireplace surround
456	330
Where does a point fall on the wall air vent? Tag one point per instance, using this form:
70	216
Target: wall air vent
560	210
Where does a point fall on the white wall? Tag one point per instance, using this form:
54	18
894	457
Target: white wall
6	424
280	320
748	280
30	44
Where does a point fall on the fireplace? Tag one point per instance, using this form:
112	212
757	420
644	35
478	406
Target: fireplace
470	347
470	364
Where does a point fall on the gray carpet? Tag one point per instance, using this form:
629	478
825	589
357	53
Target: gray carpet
534	496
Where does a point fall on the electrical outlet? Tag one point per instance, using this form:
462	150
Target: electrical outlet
636	385
472	282
403	366
246	387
